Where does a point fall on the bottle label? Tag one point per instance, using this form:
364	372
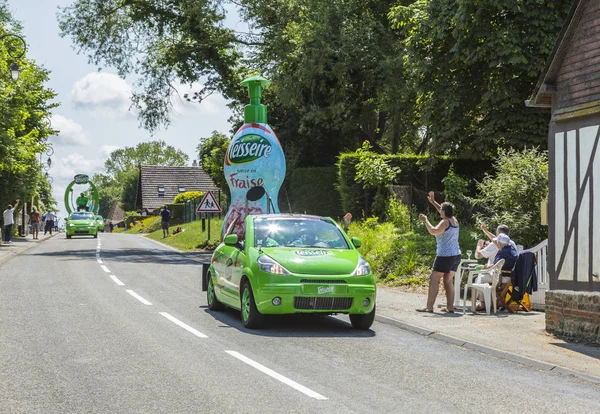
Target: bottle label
248	148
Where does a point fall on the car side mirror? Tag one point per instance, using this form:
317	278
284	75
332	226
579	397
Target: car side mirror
356	242
231	239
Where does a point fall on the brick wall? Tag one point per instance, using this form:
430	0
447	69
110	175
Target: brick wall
574	315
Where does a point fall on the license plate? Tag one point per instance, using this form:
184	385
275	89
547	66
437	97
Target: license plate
324	290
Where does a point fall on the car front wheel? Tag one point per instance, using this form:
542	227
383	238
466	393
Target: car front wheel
363	321
211	296
251	317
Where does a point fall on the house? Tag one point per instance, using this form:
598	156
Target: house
159	185
570	87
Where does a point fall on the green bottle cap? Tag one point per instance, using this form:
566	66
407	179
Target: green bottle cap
255	111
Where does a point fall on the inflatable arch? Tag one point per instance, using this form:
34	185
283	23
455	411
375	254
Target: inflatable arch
92	205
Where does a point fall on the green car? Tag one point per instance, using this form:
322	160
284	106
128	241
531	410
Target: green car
100	223
81	223
286	264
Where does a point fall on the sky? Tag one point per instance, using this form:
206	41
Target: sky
94	117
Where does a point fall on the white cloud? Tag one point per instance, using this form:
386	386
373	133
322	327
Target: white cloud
103	93
70	132
75	163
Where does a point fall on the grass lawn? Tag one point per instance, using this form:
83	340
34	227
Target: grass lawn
192	237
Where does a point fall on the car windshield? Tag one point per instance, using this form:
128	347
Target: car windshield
298	232
82	216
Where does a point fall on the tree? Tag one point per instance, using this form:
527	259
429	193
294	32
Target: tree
211	153
513	195
24	129
120	182
473	63
164	42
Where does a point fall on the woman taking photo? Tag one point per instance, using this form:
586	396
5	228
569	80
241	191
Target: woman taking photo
447	256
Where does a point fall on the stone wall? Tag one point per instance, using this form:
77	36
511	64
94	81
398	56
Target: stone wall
573	315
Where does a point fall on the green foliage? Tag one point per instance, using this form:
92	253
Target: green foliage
192	237
399	215
512	196
472	64
372	171
420	171
312	190
26	106
456	191
188	195
165	42
211	153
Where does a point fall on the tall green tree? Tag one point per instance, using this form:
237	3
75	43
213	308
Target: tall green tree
24	129
473	63
163	42
211	153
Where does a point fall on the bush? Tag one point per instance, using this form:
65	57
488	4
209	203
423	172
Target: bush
399	215
188	195
512	196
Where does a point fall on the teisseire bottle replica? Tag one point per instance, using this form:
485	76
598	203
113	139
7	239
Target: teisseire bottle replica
254	162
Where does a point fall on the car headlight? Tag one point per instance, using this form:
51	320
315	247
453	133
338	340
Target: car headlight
362	269
266	264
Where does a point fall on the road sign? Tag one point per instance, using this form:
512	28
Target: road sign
208	204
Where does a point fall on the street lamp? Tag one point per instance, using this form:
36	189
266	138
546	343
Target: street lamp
15	53
49	178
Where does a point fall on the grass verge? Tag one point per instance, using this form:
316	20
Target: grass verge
191	236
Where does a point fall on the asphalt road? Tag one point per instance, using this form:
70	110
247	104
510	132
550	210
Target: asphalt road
119	325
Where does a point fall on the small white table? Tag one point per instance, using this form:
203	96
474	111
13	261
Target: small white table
458	279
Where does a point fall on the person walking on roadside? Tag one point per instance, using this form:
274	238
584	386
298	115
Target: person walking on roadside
447	253
165	215
49	222
36	221
9	220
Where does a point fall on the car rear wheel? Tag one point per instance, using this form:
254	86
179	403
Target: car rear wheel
211	296
251	317
363	321
96	236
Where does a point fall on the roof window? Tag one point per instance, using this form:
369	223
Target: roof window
161	190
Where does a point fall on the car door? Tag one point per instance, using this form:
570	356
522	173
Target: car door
239	262
226	257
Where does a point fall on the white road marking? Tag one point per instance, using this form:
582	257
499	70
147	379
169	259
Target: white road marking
183	325
117	281
105	269
97	254
277	376
99	260
138	297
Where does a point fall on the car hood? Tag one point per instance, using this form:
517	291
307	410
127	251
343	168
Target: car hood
315	261
82	222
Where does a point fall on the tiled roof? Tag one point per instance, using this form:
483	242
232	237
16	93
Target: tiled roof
171	179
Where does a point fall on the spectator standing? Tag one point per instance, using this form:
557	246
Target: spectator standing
36	222
165	215
9	221
111	226
49	222
447	253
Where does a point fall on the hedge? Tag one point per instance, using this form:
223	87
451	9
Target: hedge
313	190
423	172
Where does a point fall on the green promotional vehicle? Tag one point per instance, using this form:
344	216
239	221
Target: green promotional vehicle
81	223
286	264
100	223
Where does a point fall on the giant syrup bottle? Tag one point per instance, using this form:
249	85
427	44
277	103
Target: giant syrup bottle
254	159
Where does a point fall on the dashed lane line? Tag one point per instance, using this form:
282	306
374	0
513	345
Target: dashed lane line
183	325
116	280
138	297
105	269
277	376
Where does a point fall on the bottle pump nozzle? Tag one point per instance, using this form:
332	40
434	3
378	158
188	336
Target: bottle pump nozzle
255	111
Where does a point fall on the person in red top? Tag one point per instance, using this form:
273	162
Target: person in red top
36	221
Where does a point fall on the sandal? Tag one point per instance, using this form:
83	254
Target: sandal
447	311
424	310
480	308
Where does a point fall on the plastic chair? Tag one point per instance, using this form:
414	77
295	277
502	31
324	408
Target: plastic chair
488	290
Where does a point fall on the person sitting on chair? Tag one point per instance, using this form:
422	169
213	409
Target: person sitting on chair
508	252
488	250
82	202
